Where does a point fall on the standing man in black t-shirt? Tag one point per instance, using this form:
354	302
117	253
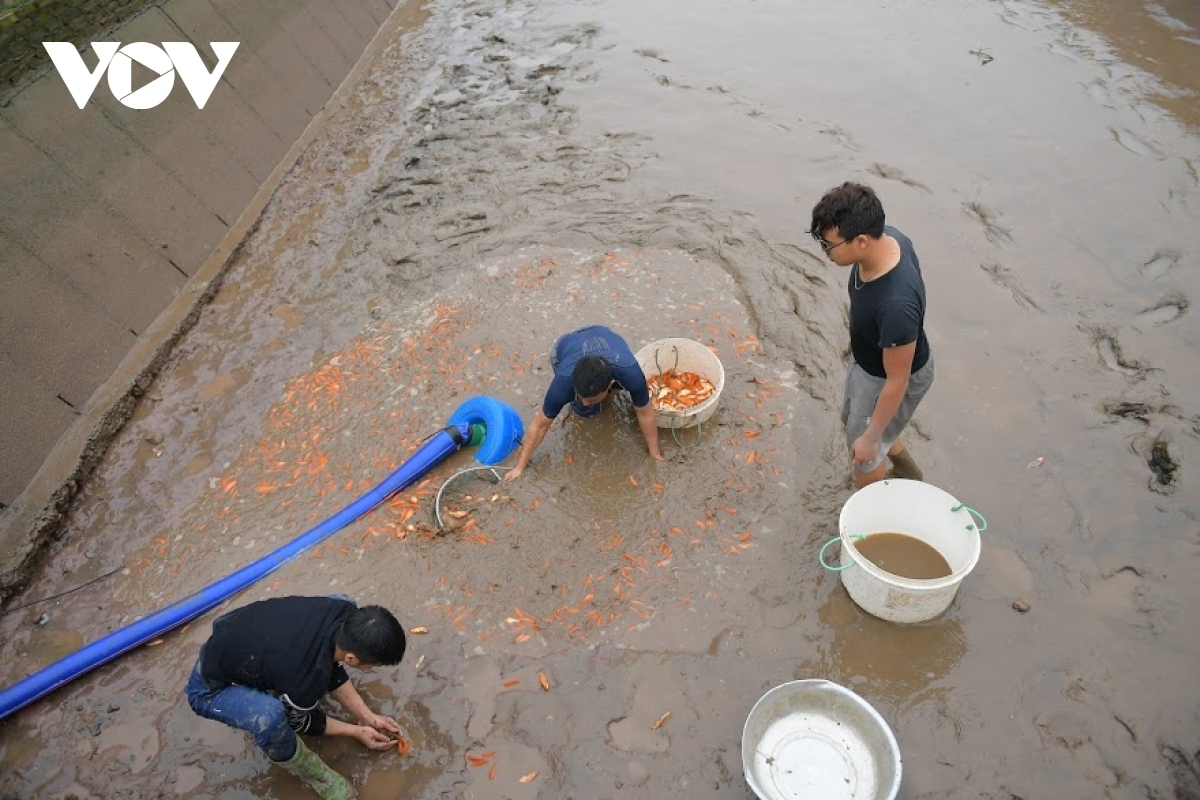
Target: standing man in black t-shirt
892	367
267	665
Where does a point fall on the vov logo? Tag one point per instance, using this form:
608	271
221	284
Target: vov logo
164	61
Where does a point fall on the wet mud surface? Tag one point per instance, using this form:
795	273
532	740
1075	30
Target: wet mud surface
506	173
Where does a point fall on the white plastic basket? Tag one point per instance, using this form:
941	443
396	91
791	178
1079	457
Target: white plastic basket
683	355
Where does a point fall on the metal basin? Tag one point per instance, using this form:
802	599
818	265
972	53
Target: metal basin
815	739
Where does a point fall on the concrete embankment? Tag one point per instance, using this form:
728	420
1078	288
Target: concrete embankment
117	224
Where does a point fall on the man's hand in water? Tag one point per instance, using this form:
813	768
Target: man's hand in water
533	437
373	738
381	723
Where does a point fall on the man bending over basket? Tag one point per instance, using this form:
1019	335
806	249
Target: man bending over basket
588	364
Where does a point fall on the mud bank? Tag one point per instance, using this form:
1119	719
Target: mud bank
462	213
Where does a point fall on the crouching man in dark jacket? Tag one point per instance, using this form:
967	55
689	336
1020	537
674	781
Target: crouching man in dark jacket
267	665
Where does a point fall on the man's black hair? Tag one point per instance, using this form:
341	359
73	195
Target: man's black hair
592	376
851	208
374	635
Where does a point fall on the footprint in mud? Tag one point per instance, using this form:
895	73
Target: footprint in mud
759	114
1162	262
746	102
893	174
751	106
1184	769
1098	90
646	52
996	233
1167	310
1005	277
1175	203
1193	171
659	699
1129	409
1118	71
1062	51
1164	469
543	71
663	80
1110	354
1084	728
984	56
1018	17
1064	728
1148	413
1150	113
624	137
1120	586
841	136
1134	143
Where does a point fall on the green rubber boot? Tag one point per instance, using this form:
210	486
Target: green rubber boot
328	783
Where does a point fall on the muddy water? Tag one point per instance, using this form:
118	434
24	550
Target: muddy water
903	555
506	173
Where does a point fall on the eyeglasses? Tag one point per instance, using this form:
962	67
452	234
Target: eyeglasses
829	247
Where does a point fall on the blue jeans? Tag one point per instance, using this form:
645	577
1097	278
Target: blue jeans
258	713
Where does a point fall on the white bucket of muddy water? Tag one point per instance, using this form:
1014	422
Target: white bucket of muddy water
683	355
900	511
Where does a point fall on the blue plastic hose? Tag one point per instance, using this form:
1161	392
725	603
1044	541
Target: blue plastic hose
430	454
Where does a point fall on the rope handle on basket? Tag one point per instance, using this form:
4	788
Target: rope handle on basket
699	426
675	368
982	522
824	547
699	434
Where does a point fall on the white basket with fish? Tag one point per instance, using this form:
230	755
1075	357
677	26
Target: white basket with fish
685	378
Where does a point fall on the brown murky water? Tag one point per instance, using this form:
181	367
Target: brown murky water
509	172
903	555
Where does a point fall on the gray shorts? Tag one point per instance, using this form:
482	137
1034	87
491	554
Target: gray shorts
862	390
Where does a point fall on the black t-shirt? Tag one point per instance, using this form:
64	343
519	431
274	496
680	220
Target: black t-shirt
284	646
888	311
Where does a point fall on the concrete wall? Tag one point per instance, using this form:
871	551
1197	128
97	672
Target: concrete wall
107	212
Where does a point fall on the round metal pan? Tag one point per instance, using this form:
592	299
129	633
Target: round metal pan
815	739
